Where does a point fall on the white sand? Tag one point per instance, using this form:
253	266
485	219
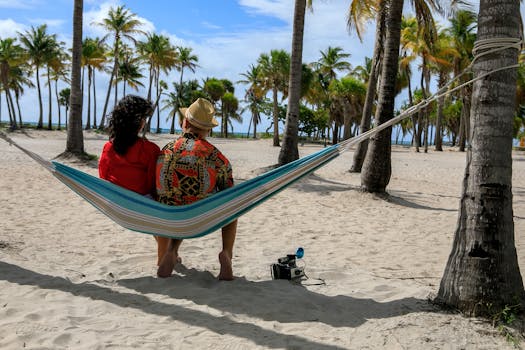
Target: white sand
72	279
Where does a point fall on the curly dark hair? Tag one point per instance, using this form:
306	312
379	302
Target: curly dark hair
125	121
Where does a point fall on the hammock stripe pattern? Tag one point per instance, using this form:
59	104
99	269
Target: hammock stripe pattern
141	214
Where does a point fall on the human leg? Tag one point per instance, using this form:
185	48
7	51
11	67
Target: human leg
162	247
170	258
225	256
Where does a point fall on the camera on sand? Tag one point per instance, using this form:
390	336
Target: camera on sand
286	268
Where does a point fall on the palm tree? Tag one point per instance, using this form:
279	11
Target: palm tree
53	56
20	77
289	151
93	57
160	55
462	29
275	69
129	74
63	100
184	59
358	12
75	138
59	69
39	45
482	276
254	95
229	110
11	55
377	166
122	24
445	54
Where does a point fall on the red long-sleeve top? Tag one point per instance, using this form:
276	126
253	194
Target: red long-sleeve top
135	170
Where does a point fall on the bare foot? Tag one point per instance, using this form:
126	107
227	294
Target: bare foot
167	263
226	273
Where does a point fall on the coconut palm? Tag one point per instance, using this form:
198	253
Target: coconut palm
93	57
59	70
11	56
129	74
275	69
120	24
289	152
254	95
158	53
19	77
63	100
39	46
482	276
75	138
55	53
229	111
462	29
377	169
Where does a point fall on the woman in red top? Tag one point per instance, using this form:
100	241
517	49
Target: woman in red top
127	159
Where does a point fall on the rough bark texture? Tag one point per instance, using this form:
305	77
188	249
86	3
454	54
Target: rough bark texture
289	150
482	274
377	167
75	139
362	147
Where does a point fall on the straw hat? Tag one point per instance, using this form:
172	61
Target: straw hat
201	114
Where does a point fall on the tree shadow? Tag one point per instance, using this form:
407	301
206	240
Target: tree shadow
412	204
275	300
217	324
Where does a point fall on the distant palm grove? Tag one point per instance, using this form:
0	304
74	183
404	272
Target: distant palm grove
334	99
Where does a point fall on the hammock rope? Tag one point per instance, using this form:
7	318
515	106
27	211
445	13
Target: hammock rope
141	214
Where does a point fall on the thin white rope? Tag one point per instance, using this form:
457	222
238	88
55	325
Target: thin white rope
481	48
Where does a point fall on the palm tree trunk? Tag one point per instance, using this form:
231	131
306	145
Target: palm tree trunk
108	93
17	99
360	152
40	124
94	102
377	167
75	139
88	119
289	151
275	118
482	275
439	118
50	104
58	105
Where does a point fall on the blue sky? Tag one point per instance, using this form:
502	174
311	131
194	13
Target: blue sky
226	35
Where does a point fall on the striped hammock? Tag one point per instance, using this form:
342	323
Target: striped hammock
141	214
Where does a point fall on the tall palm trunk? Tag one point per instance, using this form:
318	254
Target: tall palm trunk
58	105
94	101
289	151
439	115
377	167
275	118
360	152
88	119
50	103
75	139
482	275
17	99
108	93
40	124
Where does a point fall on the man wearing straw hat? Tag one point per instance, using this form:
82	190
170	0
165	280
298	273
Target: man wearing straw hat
189	169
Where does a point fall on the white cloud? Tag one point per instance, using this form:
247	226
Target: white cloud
10	28
92	17
282	9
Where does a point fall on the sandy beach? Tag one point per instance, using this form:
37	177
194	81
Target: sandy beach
70	278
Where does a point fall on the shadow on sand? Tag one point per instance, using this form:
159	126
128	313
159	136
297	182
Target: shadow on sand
277	300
